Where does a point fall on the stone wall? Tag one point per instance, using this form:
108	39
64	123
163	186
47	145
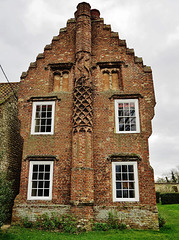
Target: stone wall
11	142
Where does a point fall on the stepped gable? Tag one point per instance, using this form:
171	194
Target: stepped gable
95	18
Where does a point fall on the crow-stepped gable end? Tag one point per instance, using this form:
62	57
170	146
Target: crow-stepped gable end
85	108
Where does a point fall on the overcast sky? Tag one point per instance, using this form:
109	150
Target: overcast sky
151	27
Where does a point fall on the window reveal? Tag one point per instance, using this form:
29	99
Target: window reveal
40	180
125	182
127	116
43	118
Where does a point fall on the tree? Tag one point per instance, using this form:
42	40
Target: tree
6	196
171	177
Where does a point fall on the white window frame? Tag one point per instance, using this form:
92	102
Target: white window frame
29	195
34	121
136	184
135	101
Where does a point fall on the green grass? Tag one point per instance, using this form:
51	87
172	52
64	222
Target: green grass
169	231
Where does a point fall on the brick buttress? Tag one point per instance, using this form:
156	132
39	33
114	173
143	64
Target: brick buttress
82	173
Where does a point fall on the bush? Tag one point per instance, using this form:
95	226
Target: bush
169	198
65	223
111	223
157	197
26	223
100	226
6	196
68	223
161	221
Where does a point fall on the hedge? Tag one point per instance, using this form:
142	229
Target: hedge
169	198
157	197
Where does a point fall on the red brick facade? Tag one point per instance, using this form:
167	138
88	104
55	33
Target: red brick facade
84	70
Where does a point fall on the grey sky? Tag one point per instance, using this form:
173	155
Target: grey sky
151	27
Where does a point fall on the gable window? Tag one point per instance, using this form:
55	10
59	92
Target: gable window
40	180
127	116
125	181
43	118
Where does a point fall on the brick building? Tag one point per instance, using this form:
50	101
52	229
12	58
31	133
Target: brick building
85	108
10	139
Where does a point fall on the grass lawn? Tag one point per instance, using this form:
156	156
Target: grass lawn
170	231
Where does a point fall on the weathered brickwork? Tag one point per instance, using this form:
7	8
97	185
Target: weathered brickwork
10	139
84	70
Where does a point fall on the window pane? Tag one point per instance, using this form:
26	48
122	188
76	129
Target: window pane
34	192
41	175
120	112
38	108
37	128
44	108
118	185
126	105
132	120
126	112
37	114
47	184
132	105
48	129
131	185
35	168
49	122
118	176
125	194
47	176
34	184
49	108
124	168
47	168
43	115
46	192
121	120
127	128
40	184
118	168
49	114
40	192
120	106
37	122
131	176
43	122
133	127
124	176
121	127
34	176
42	129
119	194
41	168
125	185
132	113
131	193
130	168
